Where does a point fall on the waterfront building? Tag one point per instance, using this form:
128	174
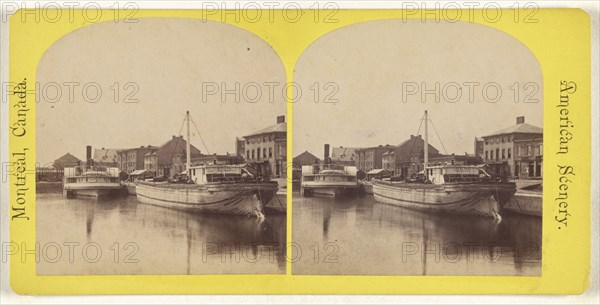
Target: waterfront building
169	159
407	158
305	158
266	149
240	147
132	159
106	157
66	160
343	155
371	158
515	151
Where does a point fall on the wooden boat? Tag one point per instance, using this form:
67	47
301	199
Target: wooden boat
329	180
453	189
527	201
91	181
222	189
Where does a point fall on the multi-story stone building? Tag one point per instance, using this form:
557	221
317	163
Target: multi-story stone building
500	150
132	159
169	159
266	148
371	158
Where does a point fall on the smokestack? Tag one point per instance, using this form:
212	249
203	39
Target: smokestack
326	155
88	154
281	119
520	120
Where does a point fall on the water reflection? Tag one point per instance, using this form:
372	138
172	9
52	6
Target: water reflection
374	238
136	238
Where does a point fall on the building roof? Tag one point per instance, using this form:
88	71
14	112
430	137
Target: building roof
103	155
173	147
518	128
414	147
377	171
305	158
279	127
66	159
344	154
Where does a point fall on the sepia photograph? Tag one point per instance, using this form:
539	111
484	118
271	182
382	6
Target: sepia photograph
425	156
157	152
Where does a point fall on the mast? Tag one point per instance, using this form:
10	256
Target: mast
187	145
426	148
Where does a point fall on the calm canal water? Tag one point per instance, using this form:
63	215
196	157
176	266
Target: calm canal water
358	236
123	236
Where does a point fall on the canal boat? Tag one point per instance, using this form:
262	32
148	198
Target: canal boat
527	200
223	189
91	181
452	189
330	180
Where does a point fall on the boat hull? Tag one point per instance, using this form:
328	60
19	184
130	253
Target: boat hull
329	189
221	198
366	187
130	186
465	199
97	190
526	203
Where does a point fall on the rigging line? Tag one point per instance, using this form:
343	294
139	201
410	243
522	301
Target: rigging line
198	131
436	133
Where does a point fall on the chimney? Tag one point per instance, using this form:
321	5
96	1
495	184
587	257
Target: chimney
326	155
520	120
88	153
281	119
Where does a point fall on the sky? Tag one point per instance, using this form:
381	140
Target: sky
376	73
162	67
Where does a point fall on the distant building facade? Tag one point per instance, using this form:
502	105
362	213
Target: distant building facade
132	159
170	158
408	157
305	158
67	160
266	148
106	157
515	151
371	158
344	155
240	147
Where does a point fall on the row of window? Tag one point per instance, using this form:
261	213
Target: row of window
505	139
253	154
260	139
522	151
506	154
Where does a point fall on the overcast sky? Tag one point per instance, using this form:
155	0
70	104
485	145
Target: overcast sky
169	60
370	64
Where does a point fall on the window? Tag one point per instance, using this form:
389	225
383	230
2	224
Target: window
253	154
509	153
258	154
503	153
497	153
270	152
503	139
247	154
528	150
486	154
264	152
491	154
